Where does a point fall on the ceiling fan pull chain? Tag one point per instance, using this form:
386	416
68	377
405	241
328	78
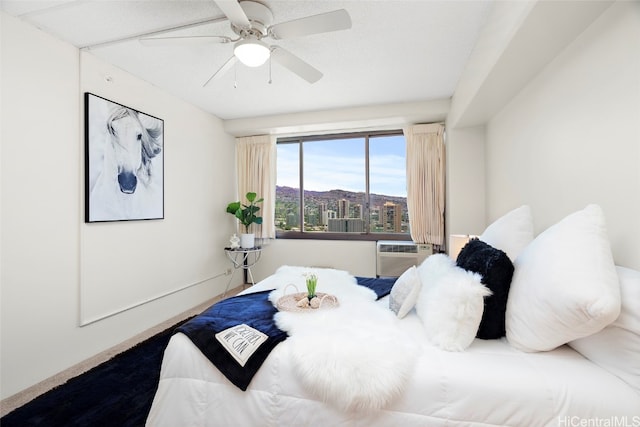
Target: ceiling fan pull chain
235	76
270	69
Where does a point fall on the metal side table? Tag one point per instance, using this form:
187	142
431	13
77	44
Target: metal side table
243	259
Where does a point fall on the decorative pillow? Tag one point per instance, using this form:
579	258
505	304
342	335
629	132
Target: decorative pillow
405	292
511	232
617	347
433	268
496	270
564	285
450	303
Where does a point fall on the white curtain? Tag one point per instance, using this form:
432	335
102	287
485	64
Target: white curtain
256	161
425	182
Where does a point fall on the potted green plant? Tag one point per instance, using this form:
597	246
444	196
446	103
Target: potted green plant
312	282
247	215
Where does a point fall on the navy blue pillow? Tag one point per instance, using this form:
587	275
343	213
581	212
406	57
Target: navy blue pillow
497	271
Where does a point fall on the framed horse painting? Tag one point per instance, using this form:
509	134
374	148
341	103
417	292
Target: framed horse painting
124	162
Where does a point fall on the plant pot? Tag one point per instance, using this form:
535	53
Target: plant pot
247	241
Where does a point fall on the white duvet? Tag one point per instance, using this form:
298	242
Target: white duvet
488	384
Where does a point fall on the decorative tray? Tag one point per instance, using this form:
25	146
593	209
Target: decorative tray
292	302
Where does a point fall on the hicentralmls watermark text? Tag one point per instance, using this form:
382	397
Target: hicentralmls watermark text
576	421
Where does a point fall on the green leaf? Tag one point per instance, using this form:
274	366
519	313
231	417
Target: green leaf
233	207
251	197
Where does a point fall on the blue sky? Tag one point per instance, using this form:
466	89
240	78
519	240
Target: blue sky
340	164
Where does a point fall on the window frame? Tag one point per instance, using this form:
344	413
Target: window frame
325	235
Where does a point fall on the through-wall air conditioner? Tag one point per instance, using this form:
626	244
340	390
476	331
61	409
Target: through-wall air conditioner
394	257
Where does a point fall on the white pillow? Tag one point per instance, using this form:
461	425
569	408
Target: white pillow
617	347
433	268
450	303
511	232
564	284
404	292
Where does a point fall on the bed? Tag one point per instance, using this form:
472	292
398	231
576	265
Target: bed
413	357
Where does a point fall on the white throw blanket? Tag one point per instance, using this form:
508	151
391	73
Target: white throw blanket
353	357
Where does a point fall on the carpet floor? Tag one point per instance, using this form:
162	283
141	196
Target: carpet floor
117	393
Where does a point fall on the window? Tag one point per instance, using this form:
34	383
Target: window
350	186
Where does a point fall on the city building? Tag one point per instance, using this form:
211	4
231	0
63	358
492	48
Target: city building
343	208
346	225
391	217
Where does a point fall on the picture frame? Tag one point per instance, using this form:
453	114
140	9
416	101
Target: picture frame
124	162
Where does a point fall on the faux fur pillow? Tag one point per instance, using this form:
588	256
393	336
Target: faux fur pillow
450	303
496	270
433	269
405	292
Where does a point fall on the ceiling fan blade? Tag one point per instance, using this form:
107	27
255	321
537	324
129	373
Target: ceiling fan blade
323	23
222	70
295	65
162	41
233	11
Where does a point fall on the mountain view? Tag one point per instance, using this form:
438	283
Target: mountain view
340	211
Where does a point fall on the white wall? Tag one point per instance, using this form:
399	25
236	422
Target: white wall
387	116
572	136
357	257
518	40
515	44
465	195
57	271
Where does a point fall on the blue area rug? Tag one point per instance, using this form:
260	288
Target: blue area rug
117	393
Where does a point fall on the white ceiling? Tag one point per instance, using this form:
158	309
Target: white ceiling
396	51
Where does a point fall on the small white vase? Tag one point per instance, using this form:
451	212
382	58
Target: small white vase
247	241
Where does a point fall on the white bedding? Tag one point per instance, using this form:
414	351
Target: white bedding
488	384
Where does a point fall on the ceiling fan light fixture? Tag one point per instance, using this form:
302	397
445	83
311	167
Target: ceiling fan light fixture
252	52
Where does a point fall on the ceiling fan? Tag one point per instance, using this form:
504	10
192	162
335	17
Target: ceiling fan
252	22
